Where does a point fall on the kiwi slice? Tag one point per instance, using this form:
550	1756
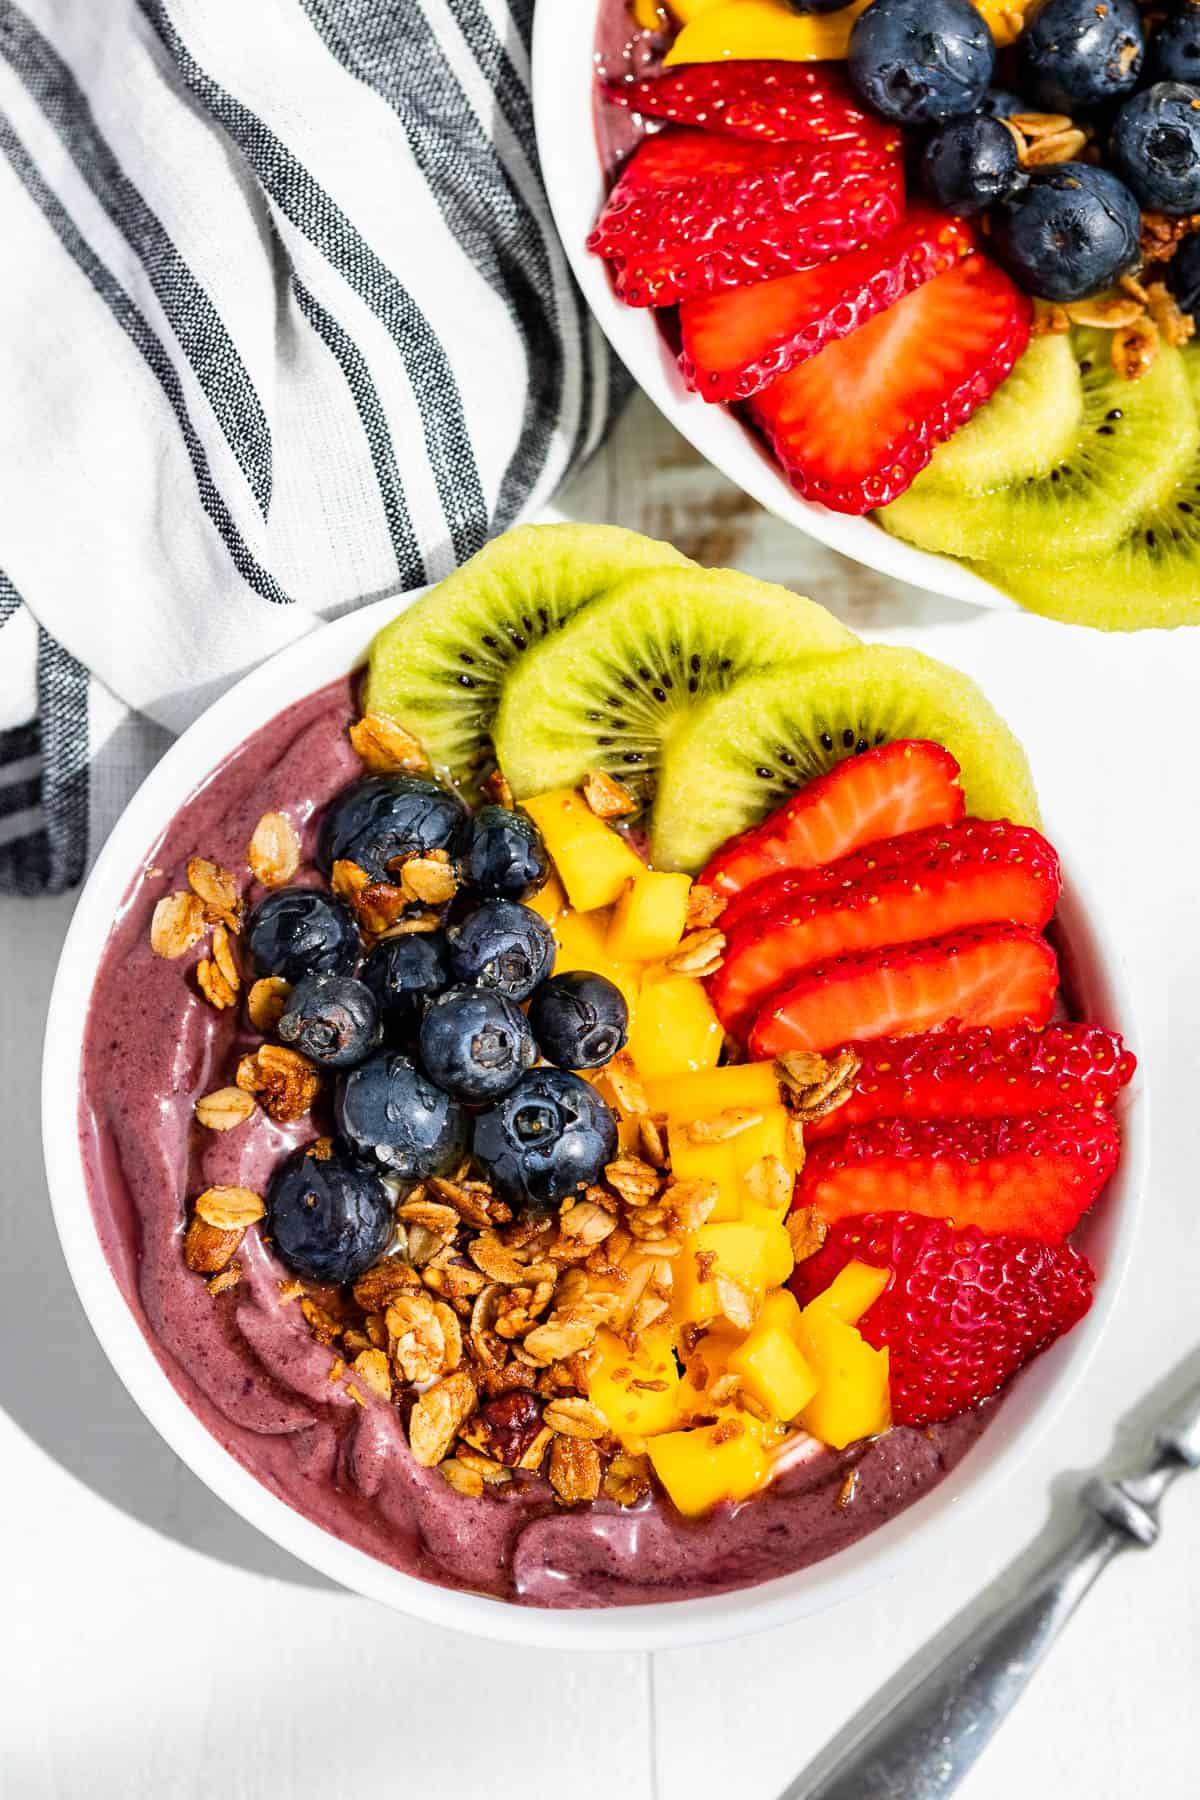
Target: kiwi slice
1027	427
617	683
1133	443
746	750
1150	579
438	667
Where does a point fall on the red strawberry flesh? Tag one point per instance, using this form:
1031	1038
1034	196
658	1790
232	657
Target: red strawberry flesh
979	1074
735	343
964	1309
938	848
783	101
880	793
856	424
998	873
998	975
694	212
1035	1176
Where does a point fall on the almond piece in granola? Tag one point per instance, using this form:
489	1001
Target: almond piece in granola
207	1249
273	854
701	953
229	1208
386	748
437	1416
176	925
575	1470
225	1108
372	1368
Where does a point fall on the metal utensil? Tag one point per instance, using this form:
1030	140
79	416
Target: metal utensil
924	1741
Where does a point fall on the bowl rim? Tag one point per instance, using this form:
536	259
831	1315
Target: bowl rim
563	68
300	669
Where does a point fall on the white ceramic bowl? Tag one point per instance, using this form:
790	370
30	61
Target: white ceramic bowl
1036	1396
563	75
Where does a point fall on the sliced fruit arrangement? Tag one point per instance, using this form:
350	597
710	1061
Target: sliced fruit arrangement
963	1309
839	1034
888	362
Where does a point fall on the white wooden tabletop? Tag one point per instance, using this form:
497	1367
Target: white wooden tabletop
155	1648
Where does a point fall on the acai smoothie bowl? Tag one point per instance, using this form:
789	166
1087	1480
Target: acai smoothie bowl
586	1105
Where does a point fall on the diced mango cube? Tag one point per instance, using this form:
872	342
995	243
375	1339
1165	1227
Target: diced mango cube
852	1290
779	1263
774	1370
675	1028
639	1394
852	1400
648	919
687	10
702	1094
710	1463
581	945
592	860
780	1308
549	901
727	1160
768	29
729	1249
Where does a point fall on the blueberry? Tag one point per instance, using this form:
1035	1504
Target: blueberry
969	164
1071	230
391	1115
1155	147
382	820
403	973
297	931
333	1019
504	946
550	1137
1173	52
474	1043
329	1216
919	61
1002	103
1183	276
1075	54
580	1021
507	859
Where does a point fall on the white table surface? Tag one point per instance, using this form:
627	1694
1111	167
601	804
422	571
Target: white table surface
155	1648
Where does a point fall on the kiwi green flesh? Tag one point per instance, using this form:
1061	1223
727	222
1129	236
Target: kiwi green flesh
438	667
1134	443
745	751
1027	427
1151	578
616	684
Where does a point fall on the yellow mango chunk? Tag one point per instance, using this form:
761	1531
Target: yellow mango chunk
592	860
852	1290
581	940
852	1400
743	30
774	1370
732	1251
549	901
675	1029
749	1087
780	1261
638	1394
727	1160
648	919
687	10
647	13
710	1463
780	1309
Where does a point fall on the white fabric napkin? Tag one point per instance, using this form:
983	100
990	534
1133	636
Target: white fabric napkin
284	327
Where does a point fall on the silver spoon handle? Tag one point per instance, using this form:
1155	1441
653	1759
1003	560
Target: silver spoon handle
922	1744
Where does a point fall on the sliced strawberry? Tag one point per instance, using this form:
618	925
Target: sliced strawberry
1035	1176
978	872
808	103
963	1311
694	212
853	426
999	975
932	852
878	793
982	1074
735	343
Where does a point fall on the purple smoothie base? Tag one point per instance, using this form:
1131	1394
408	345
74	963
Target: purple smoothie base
244	1361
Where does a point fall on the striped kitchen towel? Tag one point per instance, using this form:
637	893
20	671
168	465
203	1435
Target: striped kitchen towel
284	327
